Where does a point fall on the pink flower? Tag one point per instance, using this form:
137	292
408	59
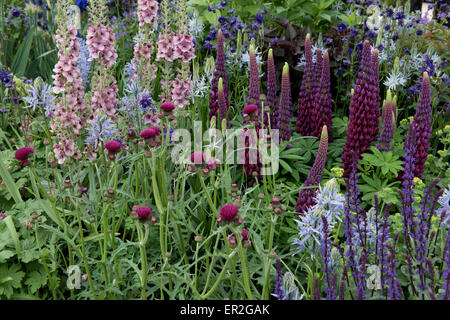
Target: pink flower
113	146
167	106
184	47
228	212
244	234
143	212
147	11
165	48
181	91
250	108
24	153
150	132
197	157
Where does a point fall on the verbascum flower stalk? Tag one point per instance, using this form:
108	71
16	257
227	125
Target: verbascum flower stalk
100	40
422	119
219	73
364	115
388	129
306	100
306	197
324	96
143	66
68	117
285	106
271	98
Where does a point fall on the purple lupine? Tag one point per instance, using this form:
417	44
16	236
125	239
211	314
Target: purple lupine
271	98
325	102
329	283
422	118
388	129
446	274
279	293
285	106
306	99
316	127
222	102
306	197
407	194
220	72
253	91
363	120
376	83
316	292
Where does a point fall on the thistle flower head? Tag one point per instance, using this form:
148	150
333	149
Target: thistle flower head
167	106
143	212
228	212
24	153
113	146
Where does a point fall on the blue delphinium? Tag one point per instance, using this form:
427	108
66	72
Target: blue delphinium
342	27
41	94
100	129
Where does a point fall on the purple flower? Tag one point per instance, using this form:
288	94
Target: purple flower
387	27
259	18
275	41
222	20
419	32
342	27
15	12
6	78
211	9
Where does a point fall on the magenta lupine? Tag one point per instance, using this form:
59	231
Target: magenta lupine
68	117
325	102
285	106
388	129
316	128
219	73
223	103
306	100
306	197
422	119
271	97
376	82
364	114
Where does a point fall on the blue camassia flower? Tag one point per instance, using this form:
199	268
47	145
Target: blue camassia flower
100	129
40	94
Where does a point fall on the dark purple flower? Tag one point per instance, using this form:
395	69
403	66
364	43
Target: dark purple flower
419	32
342	27
222	20
259	18
15	12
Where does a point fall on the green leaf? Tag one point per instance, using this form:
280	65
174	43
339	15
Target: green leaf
5	255
36	280
12	230
20	61
10	279
10	185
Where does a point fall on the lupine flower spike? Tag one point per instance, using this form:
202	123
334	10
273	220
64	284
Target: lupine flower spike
285	107
364	114
324	98
223	103
422	119
306	100
306	197
219	73
253	92
271	98
388	129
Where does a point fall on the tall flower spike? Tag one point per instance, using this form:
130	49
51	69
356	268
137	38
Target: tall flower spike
253	91
422	119
285	107
325	102
306	100
223	104
376	82
219	73
364	114
272	99
387	132
306	197
316	127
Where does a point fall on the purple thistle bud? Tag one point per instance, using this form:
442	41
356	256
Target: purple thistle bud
219	73
364	112
325	102
307	100
422	118
285	107
306	197
272	98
